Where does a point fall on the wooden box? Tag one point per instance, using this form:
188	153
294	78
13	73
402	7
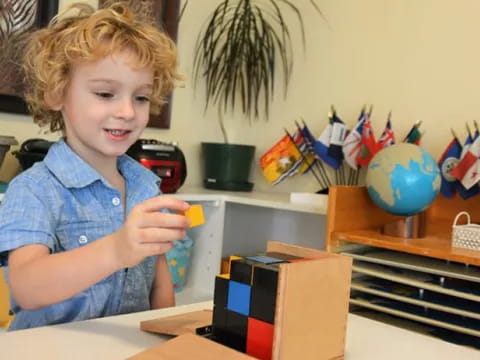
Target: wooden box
310	311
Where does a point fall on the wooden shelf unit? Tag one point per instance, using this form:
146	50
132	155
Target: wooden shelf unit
353	217
424	281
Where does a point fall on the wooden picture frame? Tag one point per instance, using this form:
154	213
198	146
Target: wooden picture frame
164	14
19	19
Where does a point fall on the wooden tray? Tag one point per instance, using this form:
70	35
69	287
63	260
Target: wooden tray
419	263
189	346
368	287
420	280
179	324
408	315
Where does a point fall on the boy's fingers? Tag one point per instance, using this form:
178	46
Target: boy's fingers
163	220
157	248
159	235
164	202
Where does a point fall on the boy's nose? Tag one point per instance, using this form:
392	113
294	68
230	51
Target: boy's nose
126	110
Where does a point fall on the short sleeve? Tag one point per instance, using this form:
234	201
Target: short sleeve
25	218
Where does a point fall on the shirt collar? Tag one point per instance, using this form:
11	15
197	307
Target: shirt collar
136	175
73	172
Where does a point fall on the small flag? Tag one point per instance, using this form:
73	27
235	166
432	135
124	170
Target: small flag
337	139
306	150
414	135
308	136
388	138
467	169
323	143
447	163
368	144
351	144
280	160
474	190
310	141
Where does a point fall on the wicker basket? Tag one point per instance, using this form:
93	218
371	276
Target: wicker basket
466	236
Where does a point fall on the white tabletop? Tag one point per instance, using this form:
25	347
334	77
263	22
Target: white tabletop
119	337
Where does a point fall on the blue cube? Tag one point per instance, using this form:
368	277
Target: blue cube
239	297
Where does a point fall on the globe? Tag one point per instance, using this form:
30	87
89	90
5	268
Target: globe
403	179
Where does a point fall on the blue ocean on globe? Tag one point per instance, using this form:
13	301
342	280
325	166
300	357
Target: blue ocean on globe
403	179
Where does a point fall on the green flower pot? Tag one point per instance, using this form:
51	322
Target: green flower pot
227	166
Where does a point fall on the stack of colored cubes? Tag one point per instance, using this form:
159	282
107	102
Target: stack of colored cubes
245	303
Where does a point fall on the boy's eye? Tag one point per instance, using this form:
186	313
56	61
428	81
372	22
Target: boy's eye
104	94
142	98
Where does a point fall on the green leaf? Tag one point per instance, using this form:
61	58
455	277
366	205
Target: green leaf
240	49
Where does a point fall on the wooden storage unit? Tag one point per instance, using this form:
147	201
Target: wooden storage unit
310	309
423	280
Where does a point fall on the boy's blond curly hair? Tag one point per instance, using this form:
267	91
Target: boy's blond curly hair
87	36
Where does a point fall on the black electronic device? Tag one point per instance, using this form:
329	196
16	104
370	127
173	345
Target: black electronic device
32	151
164	158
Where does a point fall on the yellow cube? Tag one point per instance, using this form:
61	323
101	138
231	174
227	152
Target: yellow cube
195	214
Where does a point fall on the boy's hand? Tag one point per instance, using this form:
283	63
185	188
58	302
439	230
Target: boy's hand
147	231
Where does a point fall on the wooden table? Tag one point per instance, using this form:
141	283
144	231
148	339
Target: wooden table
119	337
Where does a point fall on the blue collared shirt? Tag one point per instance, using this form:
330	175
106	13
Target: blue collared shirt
63	203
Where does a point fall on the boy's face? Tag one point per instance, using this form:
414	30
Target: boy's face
106	107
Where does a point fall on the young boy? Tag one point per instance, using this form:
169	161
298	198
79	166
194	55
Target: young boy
82	229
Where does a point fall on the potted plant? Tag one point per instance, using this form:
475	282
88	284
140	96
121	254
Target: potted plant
238	54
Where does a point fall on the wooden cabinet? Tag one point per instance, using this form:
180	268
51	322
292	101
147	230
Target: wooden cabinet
423	284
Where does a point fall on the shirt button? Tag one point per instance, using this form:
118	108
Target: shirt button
116	201
82	239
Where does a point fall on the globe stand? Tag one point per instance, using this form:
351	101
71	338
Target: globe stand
413	226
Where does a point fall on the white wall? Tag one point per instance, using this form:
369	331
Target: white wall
419	59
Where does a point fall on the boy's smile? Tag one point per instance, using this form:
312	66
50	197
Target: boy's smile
106	107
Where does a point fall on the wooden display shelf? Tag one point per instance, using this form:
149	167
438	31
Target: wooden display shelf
431	245
353	217
443	281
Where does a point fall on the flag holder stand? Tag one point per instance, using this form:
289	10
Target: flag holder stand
408	227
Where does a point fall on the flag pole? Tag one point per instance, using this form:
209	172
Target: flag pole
330	116
342	168
370	111
455	135
351	176
468	130
341	171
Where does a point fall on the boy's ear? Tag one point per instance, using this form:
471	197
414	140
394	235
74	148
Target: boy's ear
53	101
